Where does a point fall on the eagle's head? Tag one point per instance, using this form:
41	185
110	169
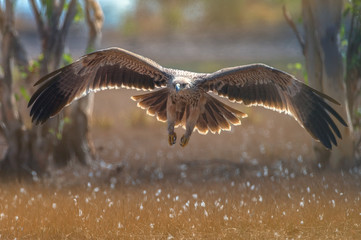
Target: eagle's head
181	83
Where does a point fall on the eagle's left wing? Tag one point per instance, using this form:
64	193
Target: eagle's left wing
259	84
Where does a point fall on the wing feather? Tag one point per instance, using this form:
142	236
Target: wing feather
105	69
261	85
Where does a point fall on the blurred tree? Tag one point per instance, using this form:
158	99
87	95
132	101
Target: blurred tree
30	149
170	17
353	68
321	47
19	146
75	139
165	17
172	12
224	14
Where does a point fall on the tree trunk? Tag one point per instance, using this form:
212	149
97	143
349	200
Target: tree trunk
75	141
19	157
353	73
322	21
31	149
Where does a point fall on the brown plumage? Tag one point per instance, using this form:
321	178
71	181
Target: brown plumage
183	97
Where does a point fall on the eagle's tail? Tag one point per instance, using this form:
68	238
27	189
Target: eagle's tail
217	116
155	103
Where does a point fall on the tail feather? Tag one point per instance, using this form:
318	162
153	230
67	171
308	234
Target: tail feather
202	126
162	111
222	122
180	117
155	103
217	116
211	120
157	106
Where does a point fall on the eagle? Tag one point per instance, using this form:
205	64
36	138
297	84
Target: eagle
182	98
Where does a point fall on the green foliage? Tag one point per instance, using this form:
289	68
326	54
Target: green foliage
67	58
295	66
48	8
90	49
352	7
35	64
62	123
298	68
353	35
352	38
25	94
343	36
59	132
79	16
358	112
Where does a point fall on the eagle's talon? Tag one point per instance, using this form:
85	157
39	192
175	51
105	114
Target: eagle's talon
184	141
172	137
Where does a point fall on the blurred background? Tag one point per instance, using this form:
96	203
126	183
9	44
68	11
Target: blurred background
180	32
103	169
201	36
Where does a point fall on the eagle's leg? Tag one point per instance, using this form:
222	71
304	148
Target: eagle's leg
172	138
192	118
171	119
184	140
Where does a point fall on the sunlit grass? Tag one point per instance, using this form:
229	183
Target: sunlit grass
311	205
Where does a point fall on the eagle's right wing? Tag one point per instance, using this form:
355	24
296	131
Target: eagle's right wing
105	69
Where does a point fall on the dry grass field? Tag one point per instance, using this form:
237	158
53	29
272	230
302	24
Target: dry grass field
310	206
258	181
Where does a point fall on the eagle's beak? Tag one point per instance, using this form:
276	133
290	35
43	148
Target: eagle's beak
177	87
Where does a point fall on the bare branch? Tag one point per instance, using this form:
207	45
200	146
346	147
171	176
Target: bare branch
19	52
58	10
3	128
95	19
291	23
39	21
63	31
9	112
7	27
69	18
2	17
6	44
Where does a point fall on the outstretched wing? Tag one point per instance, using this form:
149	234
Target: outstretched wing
259	84
105	69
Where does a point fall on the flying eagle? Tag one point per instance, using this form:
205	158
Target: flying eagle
181	97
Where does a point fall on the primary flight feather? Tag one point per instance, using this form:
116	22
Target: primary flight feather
181	97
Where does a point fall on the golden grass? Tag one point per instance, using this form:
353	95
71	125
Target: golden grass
311	206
